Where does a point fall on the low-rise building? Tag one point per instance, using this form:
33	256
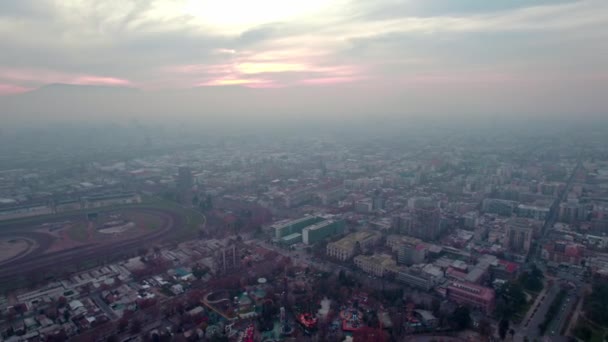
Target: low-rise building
376	264
332	195
291	239
15	212
98	201
298	197
346	247
498	206
286	228
419	277
364	206
473	295
427	318
395	241
533	212
410	254
322	230
564	252
506	270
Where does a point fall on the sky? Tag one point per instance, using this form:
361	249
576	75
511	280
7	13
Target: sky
475	53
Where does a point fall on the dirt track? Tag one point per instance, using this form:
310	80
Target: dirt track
38	260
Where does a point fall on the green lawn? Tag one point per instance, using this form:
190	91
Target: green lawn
79	232
588	332
192	219
148	222
519	316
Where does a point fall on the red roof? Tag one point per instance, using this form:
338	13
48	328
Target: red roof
456	273
472	290
572	251
420	246
510	267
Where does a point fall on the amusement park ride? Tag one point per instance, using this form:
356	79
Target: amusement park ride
249	334
286	328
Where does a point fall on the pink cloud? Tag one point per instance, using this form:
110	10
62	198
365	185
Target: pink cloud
10	89
329	80
99	80
271	68
207	69
247	82
44	76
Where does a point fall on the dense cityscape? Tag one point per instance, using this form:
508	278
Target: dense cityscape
425	237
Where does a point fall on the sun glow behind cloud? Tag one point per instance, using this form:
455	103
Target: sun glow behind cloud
161	44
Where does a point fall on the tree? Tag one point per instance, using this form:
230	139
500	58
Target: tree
52	313
123	323
135	327
20	309
198	272
596	303
532	280
435	306
485	329
112	338
583	332
461	318
208	203
510	300
503	327
61	302
60	336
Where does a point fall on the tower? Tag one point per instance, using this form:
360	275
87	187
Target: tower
518	236
427	223
184	184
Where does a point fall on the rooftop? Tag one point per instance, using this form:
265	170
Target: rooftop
480	291
379	259
319	225
350	240
291	236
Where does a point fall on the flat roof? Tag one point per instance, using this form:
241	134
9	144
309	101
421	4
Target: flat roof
476	290
284	224
291	236
351	239
319	225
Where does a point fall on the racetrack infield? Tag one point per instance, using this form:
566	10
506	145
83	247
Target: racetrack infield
43	259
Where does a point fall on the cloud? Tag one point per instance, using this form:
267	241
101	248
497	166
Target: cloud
386	9
10	89
157	44
34	76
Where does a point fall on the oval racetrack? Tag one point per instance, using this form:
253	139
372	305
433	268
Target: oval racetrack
37	259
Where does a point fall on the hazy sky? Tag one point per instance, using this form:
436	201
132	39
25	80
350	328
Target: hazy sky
458	50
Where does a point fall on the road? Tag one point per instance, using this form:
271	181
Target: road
554	210
103	306
577	310
536	317
536	314
556	325
539	299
